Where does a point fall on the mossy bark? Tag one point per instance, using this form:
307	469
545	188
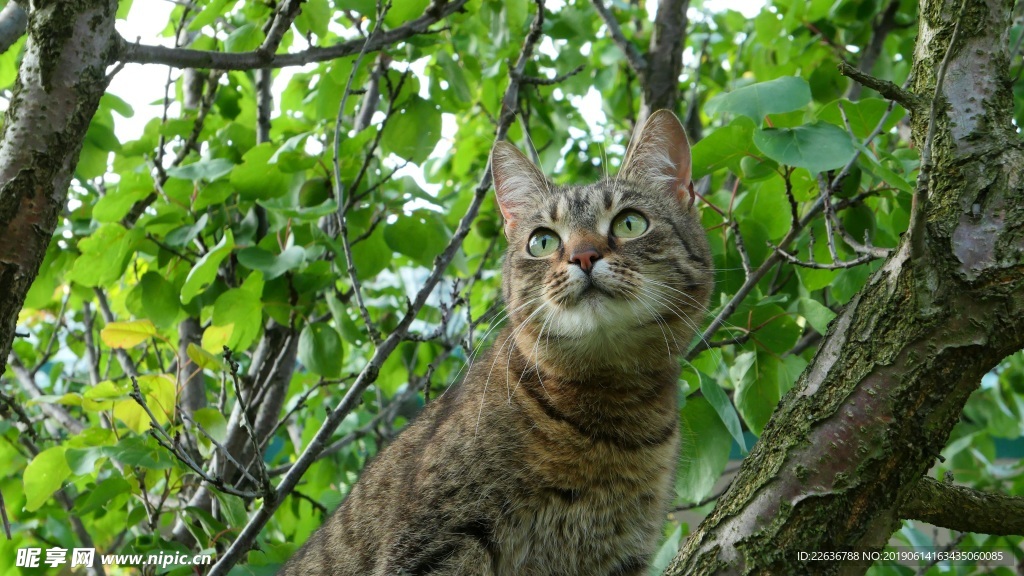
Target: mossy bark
60	82
867	419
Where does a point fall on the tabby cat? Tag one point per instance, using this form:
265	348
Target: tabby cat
556	454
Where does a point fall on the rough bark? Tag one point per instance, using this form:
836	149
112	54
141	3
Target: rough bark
847	446
665	59
60	82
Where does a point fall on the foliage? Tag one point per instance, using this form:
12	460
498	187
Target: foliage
205	219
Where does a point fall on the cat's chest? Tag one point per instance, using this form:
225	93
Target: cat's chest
600	514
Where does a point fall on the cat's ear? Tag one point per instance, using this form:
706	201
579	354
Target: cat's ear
660	156
518	184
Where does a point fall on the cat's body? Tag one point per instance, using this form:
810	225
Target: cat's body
556	455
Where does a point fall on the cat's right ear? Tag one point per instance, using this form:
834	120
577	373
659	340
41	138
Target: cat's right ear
518	184
659	156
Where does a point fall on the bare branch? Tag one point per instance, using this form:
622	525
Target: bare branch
883	25
908	100
187	58
286	13
964	509
13	22
55	411
3	516
634	57
550	81
339	187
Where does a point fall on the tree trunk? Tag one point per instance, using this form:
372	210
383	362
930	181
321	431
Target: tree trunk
61	80
868	417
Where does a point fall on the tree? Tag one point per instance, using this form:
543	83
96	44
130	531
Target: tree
207	331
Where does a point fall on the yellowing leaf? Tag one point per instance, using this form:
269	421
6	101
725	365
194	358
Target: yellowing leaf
127	334
132	415
204	359
216	337
160	391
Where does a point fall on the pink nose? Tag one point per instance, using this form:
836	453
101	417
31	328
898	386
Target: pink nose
585	258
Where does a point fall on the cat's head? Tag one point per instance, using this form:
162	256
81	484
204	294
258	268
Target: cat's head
613	274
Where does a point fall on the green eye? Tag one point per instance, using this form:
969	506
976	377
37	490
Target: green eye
629	224
543	243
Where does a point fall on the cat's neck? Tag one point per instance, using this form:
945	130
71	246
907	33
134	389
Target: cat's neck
554	364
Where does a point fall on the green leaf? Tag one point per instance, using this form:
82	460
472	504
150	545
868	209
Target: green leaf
204	359
141	451
116	203
758	393
272	265
213	422
413	133
256	178
208	170
245	38
315	16
421	236
718	399
320	349
127	334
44	475
705	450
243	309
817	147
83	460
756	101
104	255
817	314
372	255
209	15
405	10
724	148
154	298
102	495
767	204
773	327
862	115
205	270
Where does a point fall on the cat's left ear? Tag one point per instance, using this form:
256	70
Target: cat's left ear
518	184
660	156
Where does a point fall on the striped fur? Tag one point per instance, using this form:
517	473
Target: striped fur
556	454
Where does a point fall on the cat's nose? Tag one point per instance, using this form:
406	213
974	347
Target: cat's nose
585	258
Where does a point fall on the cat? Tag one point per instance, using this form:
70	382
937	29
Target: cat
556	454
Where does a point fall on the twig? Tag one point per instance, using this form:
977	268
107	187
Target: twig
91	352
261	468
836	264
164	439
3	516
634	57
890	90
339	187
55	411
23	416
550	81
188	58
285	14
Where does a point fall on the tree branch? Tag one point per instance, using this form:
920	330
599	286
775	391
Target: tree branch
964	509
187	58
13	22
890	90
634	57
